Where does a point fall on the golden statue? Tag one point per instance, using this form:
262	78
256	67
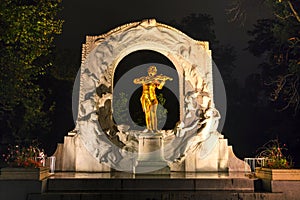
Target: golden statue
148	98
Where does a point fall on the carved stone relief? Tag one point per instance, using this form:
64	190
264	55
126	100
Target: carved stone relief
116	144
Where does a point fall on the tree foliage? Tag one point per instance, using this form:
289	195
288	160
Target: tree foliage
278	40
238	9
27	31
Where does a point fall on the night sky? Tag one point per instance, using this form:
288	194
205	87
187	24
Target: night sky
91	17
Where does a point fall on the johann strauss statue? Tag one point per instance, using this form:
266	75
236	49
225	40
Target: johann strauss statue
148	99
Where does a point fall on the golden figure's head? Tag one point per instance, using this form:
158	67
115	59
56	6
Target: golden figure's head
152	70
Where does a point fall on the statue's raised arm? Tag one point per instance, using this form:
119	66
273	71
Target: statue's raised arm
140	80
162	77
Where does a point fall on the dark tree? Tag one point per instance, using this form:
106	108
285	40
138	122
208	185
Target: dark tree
27	31
277	40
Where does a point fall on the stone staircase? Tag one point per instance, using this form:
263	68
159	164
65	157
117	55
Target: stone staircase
97	186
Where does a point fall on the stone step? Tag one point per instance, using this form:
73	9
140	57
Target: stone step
150	184
85	186
157	195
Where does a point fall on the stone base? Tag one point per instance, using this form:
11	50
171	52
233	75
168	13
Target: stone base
150	155
278	174
220	159
191	186
235	164
11	173
73	156
151	167
289	187
22	189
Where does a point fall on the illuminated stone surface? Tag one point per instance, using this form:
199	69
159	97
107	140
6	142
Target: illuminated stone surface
193	145
20	173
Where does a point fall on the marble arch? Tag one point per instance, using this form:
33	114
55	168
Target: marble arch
185	53
193	145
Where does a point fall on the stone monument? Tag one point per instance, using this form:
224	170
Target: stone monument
98	144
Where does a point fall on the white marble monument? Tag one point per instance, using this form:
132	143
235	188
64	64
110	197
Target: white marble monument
97	144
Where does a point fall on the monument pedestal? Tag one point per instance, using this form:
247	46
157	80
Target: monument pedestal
150	155
73	156
193	145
